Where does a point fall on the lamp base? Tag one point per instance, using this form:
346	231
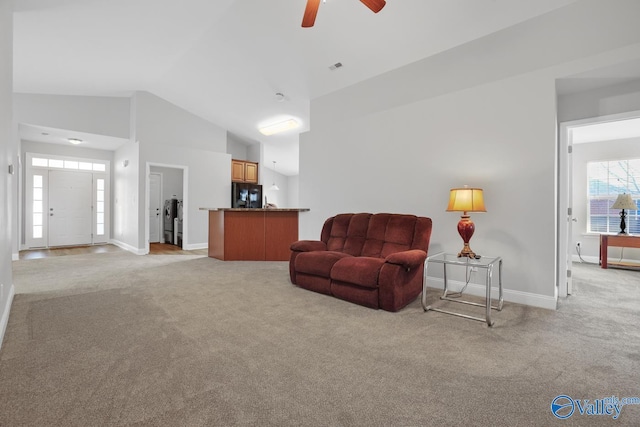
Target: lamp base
466	229
623	223
467	252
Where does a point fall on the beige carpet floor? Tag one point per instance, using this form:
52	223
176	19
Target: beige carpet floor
117	339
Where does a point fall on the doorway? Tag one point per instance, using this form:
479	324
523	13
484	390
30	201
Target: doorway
70	208
573	232
173	185
66	201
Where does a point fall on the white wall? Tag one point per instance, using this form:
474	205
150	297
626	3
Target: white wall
172	182
483	114
91	114
254	153
64	150
162	122
171	137
293	183
236	147
126	197
8	154
582	154
604	101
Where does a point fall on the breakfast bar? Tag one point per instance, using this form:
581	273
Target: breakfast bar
254	234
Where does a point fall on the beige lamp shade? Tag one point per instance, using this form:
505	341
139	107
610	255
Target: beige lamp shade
466	200
624	201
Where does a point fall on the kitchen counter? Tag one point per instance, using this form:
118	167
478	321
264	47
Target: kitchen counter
256	209
252	234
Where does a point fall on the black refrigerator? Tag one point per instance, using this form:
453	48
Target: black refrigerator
245	195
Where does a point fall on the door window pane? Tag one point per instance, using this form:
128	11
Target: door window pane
100	207
55	163
37	211
70	164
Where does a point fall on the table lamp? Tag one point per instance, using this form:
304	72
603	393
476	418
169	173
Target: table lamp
624	201
466	200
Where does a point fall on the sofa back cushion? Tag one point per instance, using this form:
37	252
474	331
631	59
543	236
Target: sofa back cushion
346	233
376	235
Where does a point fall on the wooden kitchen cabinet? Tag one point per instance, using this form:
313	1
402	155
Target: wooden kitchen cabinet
244	171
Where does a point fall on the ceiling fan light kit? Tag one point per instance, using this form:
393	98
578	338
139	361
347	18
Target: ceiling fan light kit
311	10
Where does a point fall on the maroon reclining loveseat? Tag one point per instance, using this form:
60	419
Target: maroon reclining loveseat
375	260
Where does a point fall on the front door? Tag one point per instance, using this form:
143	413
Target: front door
70	208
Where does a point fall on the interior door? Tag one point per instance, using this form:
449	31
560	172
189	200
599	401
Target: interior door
70	208
155	208
570	218
565	212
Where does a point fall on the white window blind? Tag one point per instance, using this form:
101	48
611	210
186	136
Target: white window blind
605	181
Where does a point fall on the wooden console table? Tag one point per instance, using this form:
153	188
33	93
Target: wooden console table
252	234
617	240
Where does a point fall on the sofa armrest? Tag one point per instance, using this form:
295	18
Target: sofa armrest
407	259
308	246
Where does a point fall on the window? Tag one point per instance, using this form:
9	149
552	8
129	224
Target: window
67	164
100	207
38	210
605	180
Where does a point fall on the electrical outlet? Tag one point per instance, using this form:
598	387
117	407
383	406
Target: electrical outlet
578	243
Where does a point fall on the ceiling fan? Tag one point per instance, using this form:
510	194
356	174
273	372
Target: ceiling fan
311	10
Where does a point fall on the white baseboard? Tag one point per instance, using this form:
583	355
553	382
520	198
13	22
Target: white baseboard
509	295
128	247
5	314
195	246
586	258
596	259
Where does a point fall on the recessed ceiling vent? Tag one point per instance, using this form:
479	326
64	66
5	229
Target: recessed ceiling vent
335	66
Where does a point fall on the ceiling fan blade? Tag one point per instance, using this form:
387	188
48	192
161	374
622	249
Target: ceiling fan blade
375	5
310	13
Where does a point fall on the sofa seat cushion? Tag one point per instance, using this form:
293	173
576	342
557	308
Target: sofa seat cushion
361	271
318	263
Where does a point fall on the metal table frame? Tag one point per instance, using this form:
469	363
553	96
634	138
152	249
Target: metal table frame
487	263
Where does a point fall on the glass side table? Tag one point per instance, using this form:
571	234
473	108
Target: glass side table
487	263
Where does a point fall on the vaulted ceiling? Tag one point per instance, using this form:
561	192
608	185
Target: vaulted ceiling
225	60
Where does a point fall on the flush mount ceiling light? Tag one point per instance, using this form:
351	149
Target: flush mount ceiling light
279	127
75	141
